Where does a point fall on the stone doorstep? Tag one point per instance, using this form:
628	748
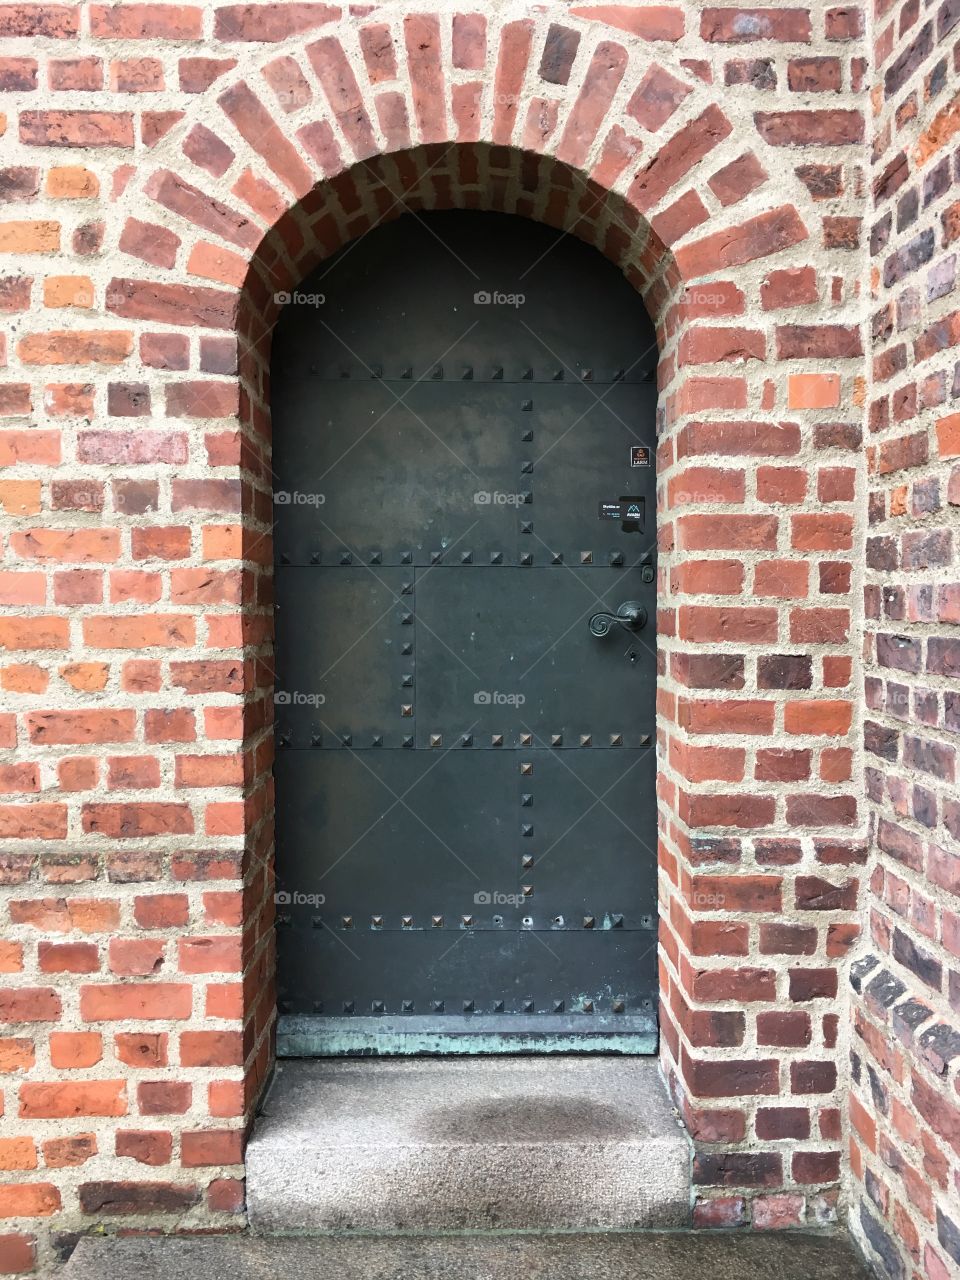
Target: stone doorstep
473	1145
654	1255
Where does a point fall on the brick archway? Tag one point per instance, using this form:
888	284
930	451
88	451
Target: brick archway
298	150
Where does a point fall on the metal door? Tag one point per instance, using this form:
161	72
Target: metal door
464	419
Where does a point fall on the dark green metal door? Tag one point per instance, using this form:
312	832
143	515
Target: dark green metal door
464	413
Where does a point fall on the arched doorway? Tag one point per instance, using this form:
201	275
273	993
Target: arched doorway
464	444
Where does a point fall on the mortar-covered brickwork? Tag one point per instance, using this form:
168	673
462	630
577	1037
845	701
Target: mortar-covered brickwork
904	1106
167	169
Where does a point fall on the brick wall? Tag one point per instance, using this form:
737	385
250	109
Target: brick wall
904	1106
168	169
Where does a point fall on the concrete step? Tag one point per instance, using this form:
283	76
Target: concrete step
475	1144
644	1256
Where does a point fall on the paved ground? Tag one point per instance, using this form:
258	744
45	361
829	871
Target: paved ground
640	1256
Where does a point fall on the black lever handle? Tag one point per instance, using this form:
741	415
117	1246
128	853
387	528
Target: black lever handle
631	615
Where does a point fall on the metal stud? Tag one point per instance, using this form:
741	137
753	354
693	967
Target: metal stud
616	921
526	436
556	739
619	1006
315	557
468	1006
528	1006
408	742
527	890
436	739
526	468
526	739
526	557
284	739
526	526
406	681
557	558
467	920
527	496
498	1006
347	922
616	739
348	1006
318	1006
377	740
406	922
587	1006
466	557
618	375
466	739
616	559
376	557
496	557
436	922
437	374
406	649
497	374
316	740
377	1006
284	558
645	740
437	1006
586	557
526	769
346	557
316	922
406	372
558	375
376	922
526	800
526	829
347	739
406	619
586	375
406	588
558	1006
527	375
406	557
406	1006
376	371
586	740
436	557
406	710
496	739
526	862
589	922
526	406
467	375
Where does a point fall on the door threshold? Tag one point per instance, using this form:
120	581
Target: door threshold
414	1035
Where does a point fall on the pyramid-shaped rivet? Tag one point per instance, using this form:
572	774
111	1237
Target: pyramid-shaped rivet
588	1006
406	557
408	742
588	922
526	769
376	557
498	1006
436	557
406	1006
557	375
436	739
526	558
496	557
315	557
466	557
406	681
377	1006
437	1006
645	740
406	619
406	648
586	557
526	406
558	1006
347	921
347	739
556	739
316	740
526	800
526	739
616	921
528	1006
586	375
616	559
466	740
467	374
616	739
526	862
346	557
437	374
377	922
527	890
406	709
468	1006
348	1006
407	922
436	922
496	740
467	920
585	740
526	436
497	374
527	375
406	588
557	558
619	1006
526	829
377	740
526	526
406	372
526	468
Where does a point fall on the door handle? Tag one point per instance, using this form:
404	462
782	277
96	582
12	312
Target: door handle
631	614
